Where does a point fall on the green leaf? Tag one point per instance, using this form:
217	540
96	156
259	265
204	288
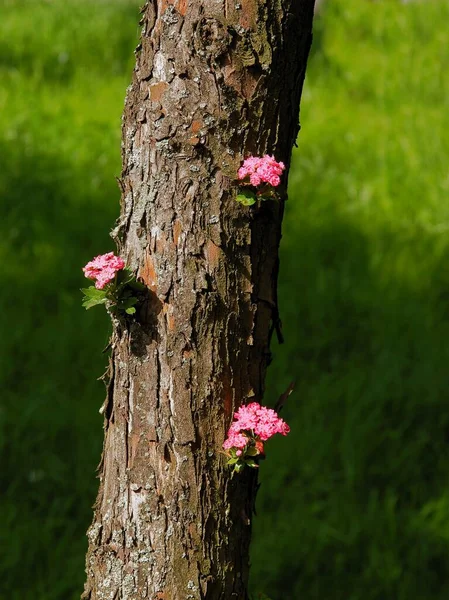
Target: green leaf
233	461
92	297
127	302
252	451
127	283
137	286
124	276
89	302
92	292
251	463
246	197
130	311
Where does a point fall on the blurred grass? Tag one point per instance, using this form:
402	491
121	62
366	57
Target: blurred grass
64	69
354	503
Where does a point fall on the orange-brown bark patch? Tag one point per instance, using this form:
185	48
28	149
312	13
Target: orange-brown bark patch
133	445
213	253
171	321
248	14
163	5
148	273
196	126
227	398
157	90
249	85
193	531
177	230
243	82
180	5
168	312
231	77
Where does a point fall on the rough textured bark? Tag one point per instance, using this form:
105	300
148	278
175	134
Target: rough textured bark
215	81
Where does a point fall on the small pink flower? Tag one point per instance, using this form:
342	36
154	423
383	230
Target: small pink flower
235	440
255	179
254	420
239	452
263	169
102	269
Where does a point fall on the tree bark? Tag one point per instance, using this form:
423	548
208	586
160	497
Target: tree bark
215	81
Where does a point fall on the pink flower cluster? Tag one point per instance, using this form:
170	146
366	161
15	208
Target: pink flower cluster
263	169
256	420
103	268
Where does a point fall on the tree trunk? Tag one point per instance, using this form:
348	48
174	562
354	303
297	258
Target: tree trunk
215	81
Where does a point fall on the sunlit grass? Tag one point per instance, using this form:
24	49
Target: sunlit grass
64	69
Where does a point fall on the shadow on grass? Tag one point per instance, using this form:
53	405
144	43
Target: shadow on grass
50	430
354	503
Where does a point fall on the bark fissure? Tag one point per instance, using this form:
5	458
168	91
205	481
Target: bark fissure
214	82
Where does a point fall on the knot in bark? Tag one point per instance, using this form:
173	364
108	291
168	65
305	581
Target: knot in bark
212	38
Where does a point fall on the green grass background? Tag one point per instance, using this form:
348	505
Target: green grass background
354	504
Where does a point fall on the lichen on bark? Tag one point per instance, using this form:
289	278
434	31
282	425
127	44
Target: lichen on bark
214	82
